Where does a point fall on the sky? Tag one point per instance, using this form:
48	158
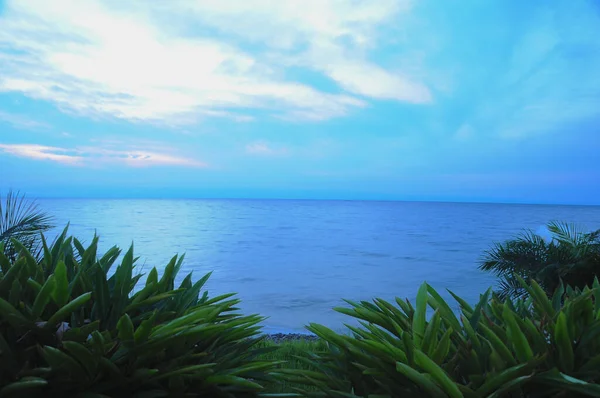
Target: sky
456	100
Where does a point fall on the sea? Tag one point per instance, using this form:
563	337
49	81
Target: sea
293	261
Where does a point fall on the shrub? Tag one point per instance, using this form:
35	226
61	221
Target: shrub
539	347
71	327
570	255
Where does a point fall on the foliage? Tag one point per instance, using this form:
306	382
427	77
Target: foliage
71	327
22	220
292	356
538	347
570	255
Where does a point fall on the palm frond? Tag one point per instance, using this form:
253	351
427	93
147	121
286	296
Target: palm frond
567	233
594	236
509	288
21	219
525	252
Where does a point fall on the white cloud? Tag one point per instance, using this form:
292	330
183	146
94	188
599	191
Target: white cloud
138	158
285	24
98	155
335	32
372	81
149	62
358	76
21	121
40	152
262	148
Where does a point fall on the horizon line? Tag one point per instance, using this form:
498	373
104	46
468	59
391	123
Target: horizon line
447	201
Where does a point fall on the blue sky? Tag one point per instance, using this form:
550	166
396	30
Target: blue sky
386	99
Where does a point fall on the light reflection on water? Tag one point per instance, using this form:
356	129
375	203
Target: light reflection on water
294	260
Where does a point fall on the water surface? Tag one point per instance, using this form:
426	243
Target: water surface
294	260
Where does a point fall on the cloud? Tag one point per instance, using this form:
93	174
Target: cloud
41	152
295	21
98	155
335	34
352	72
262	148
155	62
21	122
372	81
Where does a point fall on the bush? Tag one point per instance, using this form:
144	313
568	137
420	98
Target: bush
539	347
570	255
71	327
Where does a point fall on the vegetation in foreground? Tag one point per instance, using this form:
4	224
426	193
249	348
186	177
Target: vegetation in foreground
539	347
70	325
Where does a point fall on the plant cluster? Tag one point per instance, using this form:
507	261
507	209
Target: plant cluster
71	325
539	347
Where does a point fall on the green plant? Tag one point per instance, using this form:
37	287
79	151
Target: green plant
291	355
539	347
570	255
21	219
70	326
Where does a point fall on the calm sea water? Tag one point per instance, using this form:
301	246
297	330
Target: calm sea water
293	261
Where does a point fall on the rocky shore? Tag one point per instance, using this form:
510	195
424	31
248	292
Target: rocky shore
283	337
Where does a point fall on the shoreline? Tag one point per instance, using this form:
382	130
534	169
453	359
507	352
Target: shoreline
278	338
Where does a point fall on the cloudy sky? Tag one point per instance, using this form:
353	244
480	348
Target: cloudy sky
463	100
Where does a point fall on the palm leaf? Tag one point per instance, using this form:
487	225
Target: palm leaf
567	233
21	219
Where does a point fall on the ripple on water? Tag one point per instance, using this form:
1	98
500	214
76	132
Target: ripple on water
292	261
